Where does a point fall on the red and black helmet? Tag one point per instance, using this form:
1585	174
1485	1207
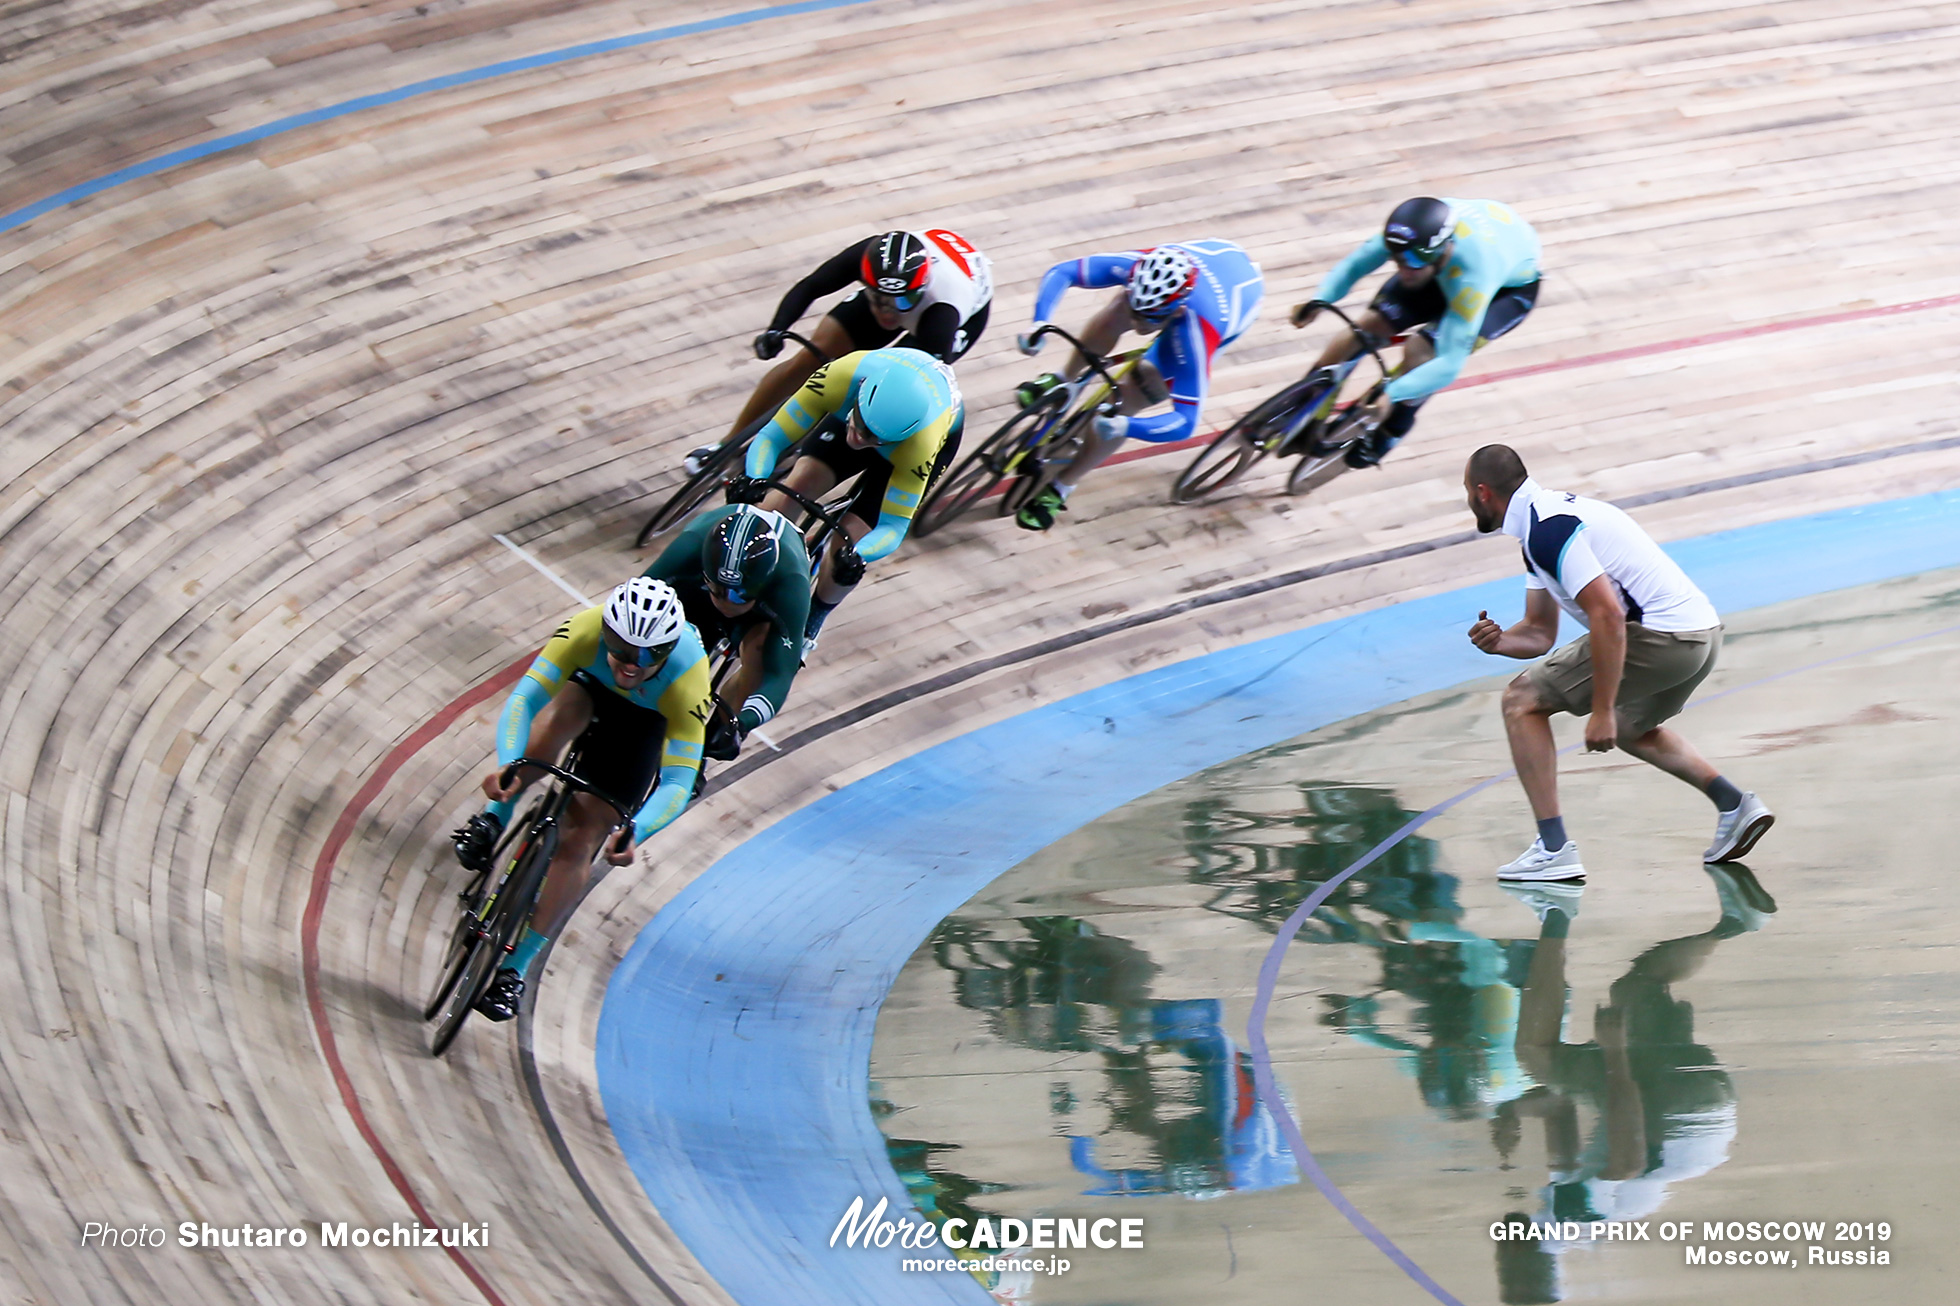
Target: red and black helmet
896	266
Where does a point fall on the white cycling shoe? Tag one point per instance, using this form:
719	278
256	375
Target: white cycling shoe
1538	863
697	459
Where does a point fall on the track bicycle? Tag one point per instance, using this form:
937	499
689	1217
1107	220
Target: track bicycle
1036	443
1305	418
493	918
726	460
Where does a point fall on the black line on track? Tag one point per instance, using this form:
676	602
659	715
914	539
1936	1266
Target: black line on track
534	1086
959	675
534	1082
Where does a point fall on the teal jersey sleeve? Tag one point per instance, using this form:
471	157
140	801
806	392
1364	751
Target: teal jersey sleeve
1368	256
830	389
520	709
667	801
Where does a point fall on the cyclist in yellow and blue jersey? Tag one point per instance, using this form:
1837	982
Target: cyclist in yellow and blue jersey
890	417
625	685
1466	272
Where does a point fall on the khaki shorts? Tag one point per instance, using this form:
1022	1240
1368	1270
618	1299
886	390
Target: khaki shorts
1662	669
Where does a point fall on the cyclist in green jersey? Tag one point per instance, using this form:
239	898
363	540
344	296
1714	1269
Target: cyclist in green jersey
743	575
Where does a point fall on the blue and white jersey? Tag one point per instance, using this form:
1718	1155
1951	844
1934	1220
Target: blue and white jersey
1570	541
1495	250
1220	307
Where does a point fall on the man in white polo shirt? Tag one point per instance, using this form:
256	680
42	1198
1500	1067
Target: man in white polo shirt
1652	637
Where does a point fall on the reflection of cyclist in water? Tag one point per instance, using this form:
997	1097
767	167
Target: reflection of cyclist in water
1663	1108
1229	1143
1172	1078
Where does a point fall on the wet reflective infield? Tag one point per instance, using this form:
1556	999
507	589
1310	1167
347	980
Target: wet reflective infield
1673	1043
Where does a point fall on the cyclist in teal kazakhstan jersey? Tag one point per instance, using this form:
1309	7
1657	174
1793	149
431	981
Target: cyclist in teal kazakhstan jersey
1466	272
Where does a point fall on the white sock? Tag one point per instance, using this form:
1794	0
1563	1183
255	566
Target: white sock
1063	490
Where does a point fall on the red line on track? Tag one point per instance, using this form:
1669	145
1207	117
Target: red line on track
316	910
1622	355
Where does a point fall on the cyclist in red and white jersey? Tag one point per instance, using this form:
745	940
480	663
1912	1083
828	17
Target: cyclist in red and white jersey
927	290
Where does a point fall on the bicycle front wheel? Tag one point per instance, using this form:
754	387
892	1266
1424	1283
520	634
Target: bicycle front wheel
1229	456
1232	454
491	940
1037	469
695	490
1315	470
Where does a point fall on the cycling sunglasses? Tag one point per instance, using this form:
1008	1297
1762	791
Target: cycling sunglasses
904	302
632	654
1414	258
728	593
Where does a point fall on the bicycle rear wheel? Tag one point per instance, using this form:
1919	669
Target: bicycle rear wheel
980	471
696	489
490	943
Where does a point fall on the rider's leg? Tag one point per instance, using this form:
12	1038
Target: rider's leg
1143	388
829	592
742	681
1343	346
587	822
810	477
619	752
780	382
1401	418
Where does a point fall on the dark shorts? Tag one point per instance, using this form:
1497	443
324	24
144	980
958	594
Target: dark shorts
873	469
854	315
1407	309
619	753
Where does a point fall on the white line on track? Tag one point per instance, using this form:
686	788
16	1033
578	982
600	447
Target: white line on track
543	570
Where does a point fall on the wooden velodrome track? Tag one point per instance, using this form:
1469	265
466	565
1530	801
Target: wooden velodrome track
264	412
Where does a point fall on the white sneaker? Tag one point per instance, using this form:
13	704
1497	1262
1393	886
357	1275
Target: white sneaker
1535	863
1543	899
697	459
1736	832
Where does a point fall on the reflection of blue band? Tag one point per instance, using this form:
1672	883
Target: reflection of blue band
735	1041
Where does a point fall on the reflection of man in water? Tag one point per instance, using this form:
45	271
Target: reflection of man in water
1664	1110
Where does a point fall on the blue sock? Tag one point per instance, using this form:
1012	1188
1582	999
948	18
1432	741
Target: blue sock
527	951
1724	795
1551	833
501	810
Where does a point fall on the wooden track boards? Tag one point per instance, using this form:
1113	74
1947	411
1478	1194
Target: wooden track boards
265	411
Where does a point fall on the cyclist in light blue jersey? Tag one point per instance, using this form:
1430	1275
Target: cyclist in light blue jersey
1466	272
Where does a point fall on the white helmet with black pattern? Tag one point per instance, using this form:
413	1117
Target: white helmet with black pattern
646	613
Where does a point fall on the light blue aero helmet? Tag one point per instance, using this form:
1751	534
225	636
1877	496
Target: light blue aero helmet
894	401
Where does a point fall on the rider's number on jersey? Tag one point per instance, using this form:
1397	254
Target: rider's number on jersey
955	247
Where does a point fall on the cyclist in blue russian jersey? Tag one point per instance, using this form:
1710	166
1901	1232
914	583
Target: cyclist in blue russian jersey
1466	272
1195	296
